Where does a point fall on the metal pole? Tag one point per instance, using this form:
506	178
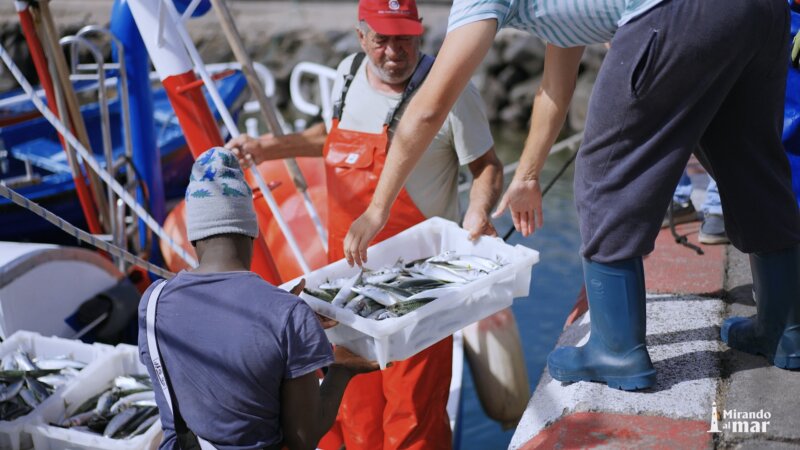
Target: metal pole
234	132
267	110
68	136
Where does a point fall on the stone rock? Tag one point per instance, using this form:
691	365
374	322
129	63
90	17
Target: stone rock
593	57
215	49
525	52
494	97
522	93
346	44
576	118
511	75
493	62
514	115
433	39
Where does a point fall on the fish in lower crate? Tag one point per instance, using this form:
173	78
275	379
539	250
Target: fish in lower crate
26	381
127	408
396	290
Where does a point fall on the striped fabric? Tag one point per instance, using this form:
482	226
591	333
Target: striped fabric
565	23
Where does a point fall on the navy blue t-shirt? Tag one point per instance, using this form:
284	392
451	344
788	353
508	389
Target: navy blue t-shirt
228	340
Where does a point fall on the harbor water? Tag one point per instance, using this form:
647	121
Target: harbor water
555	284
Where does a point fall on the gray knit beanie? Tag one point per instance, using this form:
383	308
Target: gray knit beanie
218	199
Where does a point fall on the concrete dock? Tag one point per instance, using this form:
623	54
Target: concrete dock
689	296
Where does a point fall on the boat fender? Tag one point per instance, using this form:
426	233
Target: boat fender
494	353
120	302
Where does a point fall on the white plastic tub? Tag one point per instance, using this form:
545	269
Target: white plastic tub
12	433
124	360
399	338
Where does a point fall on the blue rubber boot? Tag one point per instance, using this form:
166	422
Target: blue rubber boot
616	353
775	330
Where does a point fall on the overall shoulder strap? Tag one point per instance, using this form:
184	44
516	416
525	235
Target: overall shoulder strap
338	108
420	73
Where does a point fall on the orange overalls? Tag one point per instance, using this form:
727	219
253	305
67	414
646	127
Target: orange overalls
404	406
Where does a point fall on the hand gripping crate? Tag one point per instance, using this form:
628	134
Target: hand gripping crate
399	338
123	360
12	433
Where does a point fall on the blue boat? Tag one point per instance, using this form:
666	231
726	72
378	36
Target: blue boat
33	147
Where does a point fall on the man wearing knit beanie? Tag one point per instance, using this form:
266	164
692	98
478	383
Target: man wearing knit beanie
239	356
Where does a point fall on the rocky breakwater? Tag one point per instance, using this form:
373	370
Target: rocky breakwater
508	77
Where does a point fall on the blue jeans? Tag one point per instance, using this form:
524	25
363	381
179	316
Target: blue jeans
683	192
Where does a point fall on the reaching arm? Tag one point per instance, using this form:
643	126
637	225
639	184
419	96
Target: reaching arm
308	409
487	184
309	142
463	49
550	106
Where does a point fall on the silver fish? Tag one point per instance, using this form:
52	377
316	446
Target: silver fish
104	403
432	271
38	388
10	391
127	382
127	401
381	276
24	361
403	308
443	257
77	420
142	414
322	294
145	403
59	363
29	398
144	426
375	314
119	421
54	379
356	304
370	308
463	272
335	285
346	293
475	262
386	314
381	296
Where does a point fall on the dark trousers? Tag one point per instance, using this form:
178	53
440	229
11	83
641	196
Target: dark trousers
710	73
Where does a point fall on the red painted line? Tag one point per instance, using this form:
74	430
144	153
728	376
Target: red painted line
620	431
675	269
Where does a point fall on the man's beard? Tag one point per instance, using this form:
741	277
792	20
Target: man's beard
392	77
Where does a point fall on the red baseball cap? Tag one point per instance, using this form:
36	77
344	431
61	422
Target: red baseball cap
391	17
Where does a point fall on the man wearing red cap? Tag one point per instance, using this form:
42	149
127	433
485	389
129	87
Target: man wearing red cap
403	406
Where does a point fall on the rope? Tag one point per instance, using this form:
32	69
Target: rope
679	238
80	234
90	160
567	144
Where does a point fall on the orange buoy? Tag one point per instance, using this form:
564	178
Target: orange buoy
494	353
292	209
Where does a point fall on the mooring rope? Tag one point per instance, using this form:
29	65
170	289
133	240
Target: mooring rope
89	159
88	238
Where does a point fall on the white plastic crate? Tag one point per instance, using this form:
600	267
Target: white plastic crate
12	433
399	338
124	360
